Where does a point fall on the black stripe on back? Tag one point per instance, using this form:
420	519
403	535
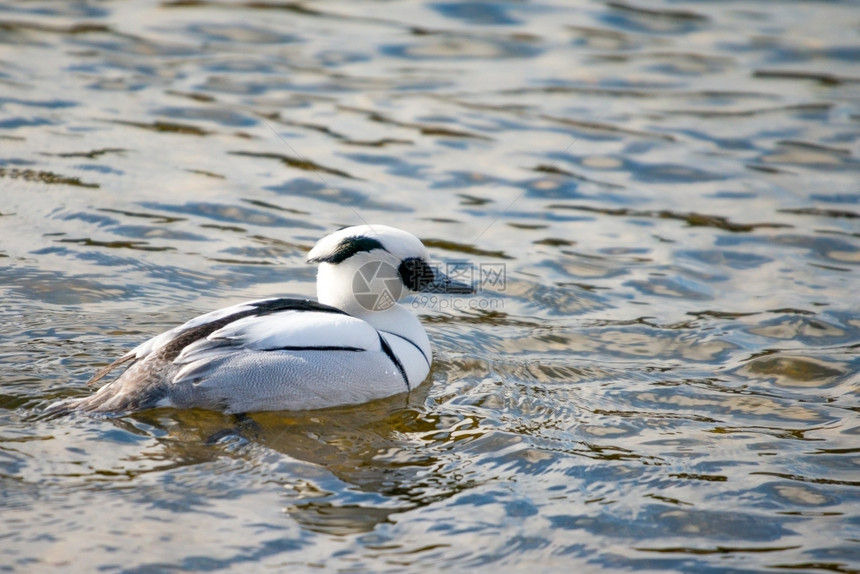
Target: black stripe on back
172	349
348	247
269	306
317	348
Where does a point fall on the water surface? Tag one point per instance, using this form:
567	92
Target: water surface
660	202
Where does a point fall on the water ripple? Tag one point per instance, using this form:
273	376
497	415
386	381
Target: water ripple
658	203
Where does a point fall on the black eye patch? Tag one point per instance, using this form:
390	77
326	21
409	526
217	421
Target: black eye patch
415	273
349	247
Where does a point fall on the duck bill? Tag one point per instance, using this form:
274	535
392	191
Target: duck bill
446	285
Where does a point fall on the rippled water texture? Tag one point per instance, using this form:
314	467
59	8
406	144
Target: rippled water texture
660	201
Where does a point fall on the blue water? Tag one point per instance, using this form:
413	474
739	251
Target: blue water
659	201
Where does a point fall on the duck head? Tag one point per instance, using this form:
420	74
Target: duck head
367	269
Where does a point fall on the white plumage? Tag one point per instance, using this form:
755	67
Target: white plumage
354	345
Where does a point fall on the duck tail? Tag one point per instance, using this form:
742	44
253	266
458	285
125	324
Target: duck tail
119	396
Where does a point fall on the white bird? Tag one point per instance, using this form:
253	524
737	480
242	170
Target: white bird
354	345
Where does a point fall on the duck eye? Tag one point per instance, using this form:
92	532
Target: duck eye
415	273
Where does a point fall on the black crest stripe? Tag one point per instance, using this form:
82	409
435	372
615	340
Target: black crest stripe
349	247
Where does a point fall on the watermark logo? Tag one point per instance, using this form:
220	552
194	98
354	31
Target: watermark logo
493	275
488	280
459	271
377	286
